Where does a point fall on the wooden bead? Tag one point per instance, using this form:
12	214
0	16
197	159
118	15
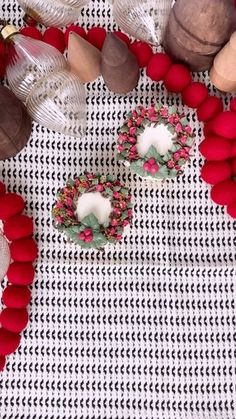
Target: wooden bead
119	67
9	342
197	31
15	124
222	73
21	273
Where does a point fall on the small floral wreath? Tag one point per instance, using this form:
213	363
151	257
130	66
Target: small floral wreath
23	250
154	164
88	232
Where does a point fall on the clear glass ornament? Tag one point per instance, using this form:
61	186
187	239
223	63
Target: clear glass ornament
38	75
143	19
53	12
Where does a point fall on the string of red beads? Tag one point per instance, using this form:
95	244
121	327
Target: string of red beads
18	230
219	143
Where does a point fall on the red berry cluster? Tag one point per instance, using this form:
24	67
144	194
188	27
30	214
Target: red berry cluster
86	235
151	166
18	230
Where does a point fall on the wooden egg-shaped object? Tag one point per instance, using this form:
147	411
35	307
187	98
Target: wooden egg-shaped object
223	74
119	67
196	31
15	124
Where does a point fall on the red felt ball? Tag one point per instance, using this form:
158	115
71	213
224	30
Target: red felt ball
9	342
2	189
209	108
233	104
32	32
14	319
2	363
215	148
16	297
18	227
74	28
24	250
21	273
10	205
215	171
224	124
208	129
231	209
233	166
177	78
96	36
233	149
55	37
158	66
142	51
194	94
123	37
224	193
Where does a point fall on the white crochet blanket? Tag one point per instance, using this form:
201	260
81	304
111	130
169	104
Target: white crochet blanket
143	330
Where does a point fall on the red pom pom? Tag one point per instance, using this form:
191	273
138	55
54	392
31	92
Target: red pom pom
233	166
123	37
142	51
215	148
14	319
208	129
96	36
215	171
10	205
74	28
224	124
20	273
55	37
16	297
231	209
18	227
233	104
24	250
209	108
2	189
194	94
177	78
158	66
224	193
9	342
233	149
32	32
2	363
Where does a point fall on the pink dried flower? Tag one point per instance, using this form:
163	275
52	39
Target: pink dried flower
178	127
116	195
125	223
70	213
69	201
120	148
170	164
132	140
171	119
164	112
139	121
99	188
114	222
176	155
118	237
183	139
177	167
130	213
122	204
133	130
133	149
188	129
117	211
130	123
59	219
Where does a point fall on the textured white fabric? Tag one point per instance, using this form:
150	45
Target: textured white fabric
143	330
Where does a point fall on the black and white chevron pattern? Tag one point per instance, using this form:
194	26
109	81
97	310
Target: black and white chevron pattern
143	330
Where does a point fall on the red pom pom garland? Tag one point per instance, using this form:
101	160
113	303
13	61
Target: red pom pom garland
32	32
142	51
55	37
17	229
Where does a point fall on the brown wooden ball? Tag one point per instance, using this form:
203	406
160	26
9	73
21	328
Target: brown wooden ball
15	124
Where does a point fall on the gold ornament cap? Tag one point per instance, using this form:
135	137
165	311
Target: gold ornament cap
8	31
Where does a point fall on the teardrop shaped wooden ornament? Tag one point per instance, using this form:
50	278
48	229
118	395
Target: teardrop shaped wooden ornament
197	31
83	58
119	67
223	74
15	124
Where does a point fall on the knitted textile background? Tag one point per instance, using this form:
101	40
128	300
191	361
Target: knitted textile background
143	330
